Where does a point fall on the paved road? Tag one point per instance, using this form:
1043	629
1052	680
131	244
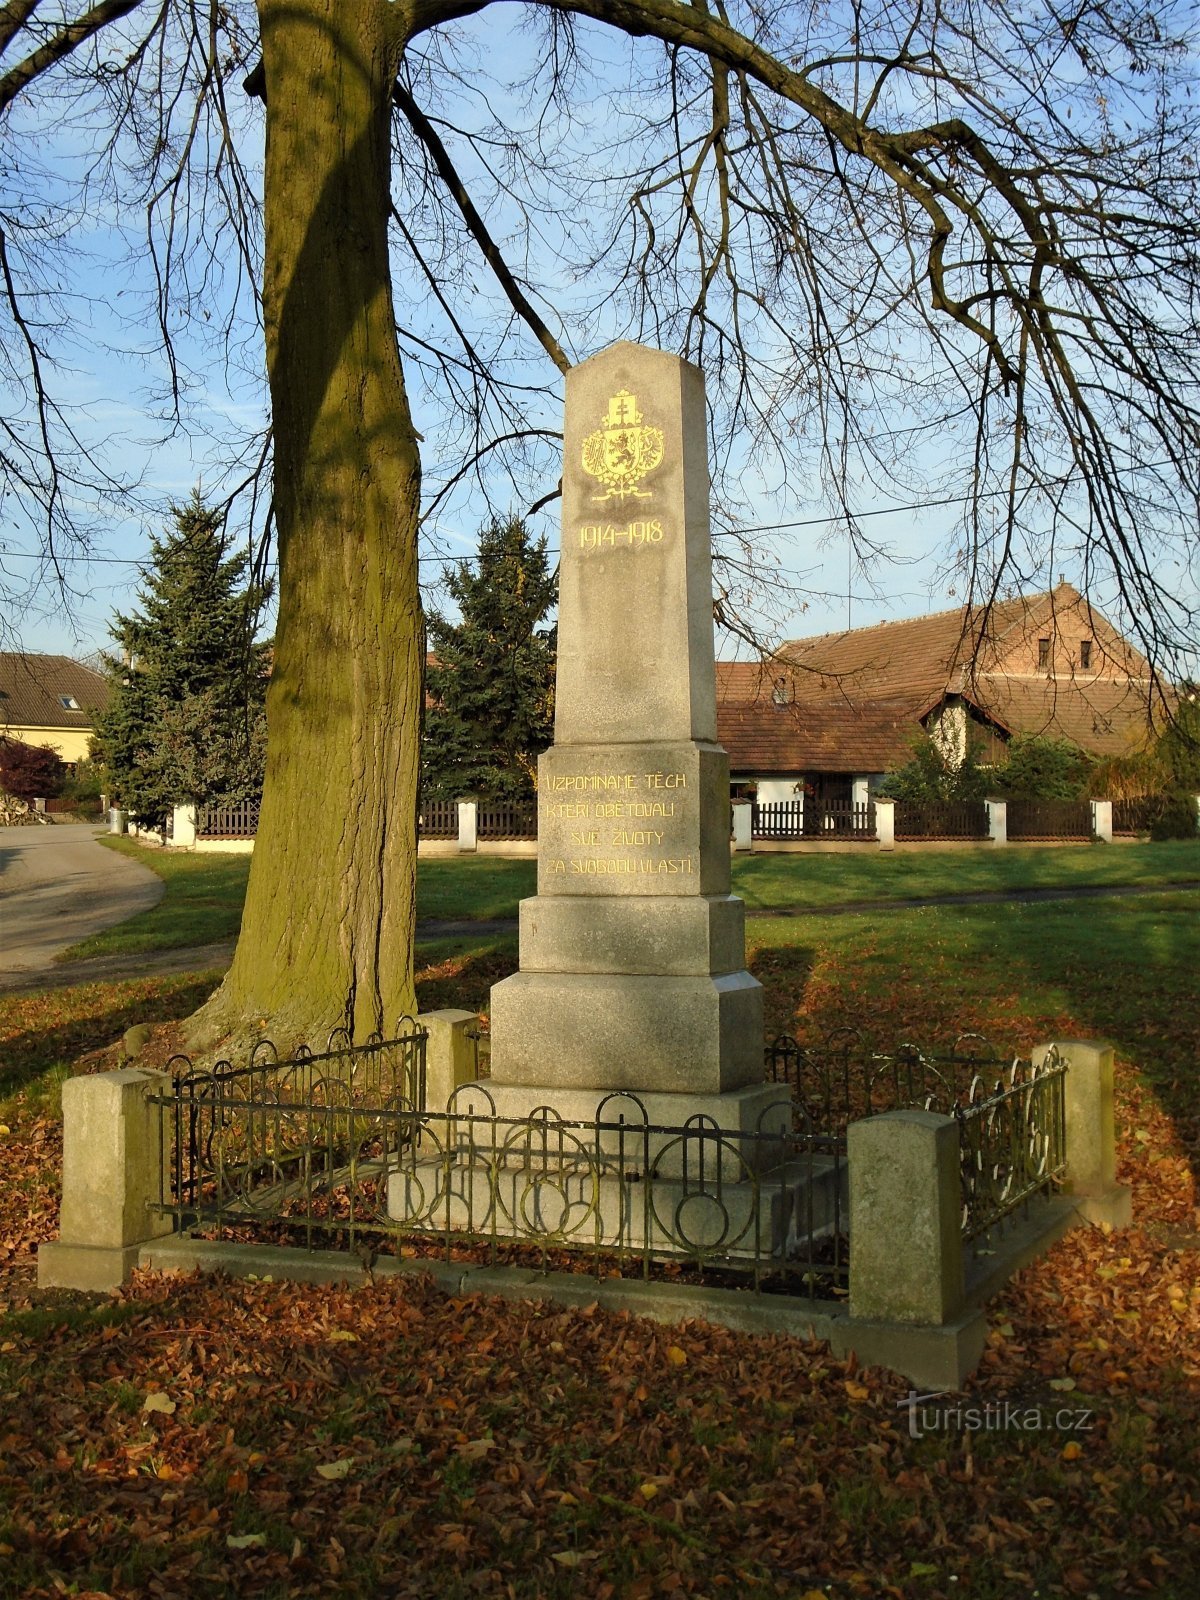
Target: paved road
57	886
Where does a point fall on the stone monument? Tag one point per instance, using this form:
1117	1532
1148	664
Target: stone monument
632	965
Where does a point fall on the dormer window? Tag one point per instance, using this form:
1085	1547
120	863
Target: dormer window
1043	652
68	702
782	694
1085	654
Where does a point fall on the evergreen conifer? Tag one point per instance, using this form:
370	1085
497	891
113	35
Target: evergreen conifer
186	719
490	685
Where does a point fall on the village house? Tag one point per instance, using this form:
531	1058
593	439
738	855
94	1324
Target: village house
827	717
50	700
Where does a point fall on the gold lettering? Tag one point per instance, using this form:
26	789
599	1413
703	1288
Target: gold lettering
591	781
633	536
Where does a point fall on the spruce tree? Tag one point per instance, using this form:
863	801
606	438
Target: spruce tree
490	684
186	719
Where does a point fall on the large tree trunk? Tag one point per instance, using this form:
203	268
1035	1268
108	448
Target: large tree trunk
327	931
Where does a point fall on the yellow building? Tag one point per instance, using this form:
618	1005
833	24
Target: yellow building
50	700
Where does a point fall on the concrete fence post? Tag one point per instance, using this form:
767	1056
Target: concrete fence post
40	805
468	825
997	811
116	1150
184	827
906	1250
1102	820
743	825
450	1055
885	823
1091	1130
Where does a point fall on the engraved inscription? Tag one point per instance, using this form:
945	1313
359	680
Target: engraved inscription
626	825
633	536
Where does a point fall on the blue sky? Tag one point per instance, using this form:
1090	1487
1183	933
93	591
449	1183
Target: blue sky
114	375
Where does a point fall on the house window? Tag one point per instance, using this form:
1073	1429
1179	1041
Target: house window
1085	653
68	702
782	694
1043	652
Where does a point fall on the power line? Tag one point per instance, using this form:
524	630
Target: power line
759	527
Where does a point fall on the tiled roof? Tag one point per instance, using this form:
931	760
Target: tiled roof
1106	717
922	658
33	689
826	736
852	701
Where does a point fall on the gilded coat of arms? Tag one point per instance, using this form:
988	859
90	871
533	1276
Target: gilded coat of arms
622	450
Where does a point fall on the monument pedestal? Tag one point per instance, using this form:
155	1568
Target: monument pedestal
627	1065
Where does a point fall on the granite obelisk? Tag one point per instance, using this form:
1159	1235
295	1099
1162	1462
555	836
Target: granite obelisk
633	972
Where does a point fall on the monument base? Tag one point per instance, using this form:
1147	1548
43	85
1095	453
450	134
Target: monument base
661	1034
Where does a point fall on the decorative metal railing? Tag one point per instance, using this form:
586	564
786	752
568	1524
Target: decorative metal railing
1012	1141
438	819
841	1079
1049	819
941	819
1010	1112
227	822
337	1148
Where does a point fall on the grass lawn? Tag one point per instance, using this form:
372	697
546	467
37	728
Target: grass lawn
203	902
304	1441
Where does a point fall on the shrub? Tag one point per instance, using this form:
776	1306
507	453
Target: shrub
1176	819
1040	768
30	771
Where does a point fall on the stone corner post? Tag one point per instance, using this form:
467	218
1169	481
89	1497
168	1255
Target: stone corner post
1102	820
450	1054
116	1150
468	825
1089	1110
183	832
885	823
743	825
997	811
906	1250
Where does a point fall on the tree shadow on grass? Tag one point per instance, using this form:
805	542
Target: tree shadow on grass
42	1031
784	972
459	973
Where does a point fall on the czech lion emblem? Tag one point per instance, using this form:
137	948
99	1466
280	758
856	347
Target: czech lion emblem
622	450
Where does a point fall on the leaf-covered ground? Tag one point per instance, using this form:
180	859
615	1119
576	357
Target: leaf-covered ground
209	1438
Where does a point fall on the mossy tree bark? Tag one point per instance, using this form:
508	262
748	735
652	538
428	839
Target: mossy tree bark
327	931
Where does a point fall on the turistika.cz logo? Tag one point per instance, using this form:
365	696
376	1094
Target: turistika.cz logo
926	1414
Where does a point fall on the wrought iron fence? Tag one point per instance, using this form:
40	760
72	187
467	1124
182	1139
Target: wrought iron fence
339	1148
1049	819
1012	1131
227	822
841	1079
941	819
1012	1142
438	819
